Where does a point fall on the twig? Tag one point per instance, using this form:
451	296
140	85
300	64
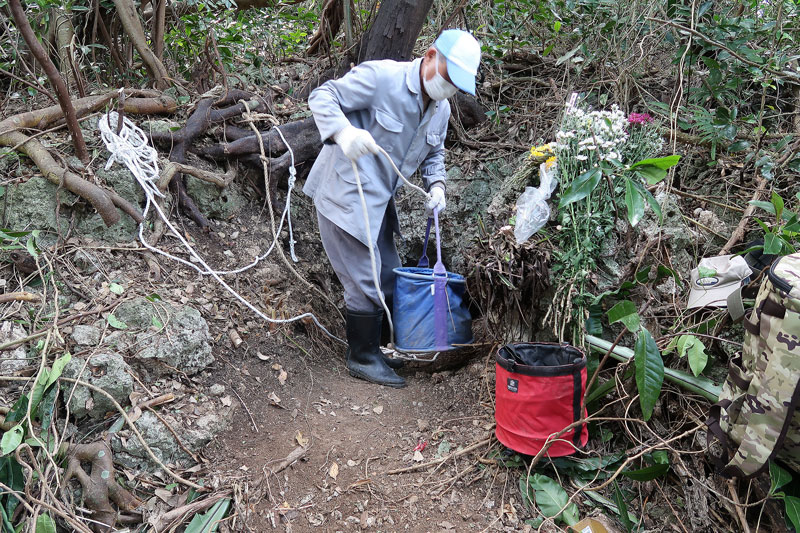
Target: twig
720	45
246	409
176	514
738	233
707	200
295	454
737	506
18	297
447	457
119	408
174	434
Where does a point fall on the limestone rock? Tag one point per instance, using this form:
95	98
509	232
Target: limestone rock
85	335
16	359
213	201
108	371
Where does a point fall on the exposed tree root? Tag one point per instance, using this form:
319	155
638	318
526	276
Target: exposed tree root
100	487
105	201
197	124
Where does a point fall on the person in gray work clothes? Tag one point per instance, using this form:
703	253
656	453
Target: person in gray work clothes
401	107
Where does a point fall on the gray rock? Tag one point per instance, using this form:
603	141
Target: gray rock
107	371
16	359
32	205
86	335
86	260
137	313
184	345
130	452
160	126
216	389
213	201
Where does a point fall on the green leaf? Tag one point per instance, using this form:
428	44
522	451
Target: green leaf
651	174
691	346
649	372
208	521
661	162
58	368
778	477
11	439
581	187
156	322
116	323
116	288
594	325
47	407
634	202
647	473
651	201
622	508
551	497
39	389
625	312
792	506
45	524
772	244
777	201
738	146
661	457
766	206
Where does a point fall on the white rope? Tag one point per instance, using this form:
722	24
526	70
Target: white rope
130	148
373	260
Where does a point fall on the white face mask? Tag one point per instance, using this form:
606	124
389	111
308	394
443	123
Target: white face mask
438	88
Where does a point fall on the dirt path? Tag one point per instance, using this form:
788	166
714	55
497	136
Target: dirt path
356	432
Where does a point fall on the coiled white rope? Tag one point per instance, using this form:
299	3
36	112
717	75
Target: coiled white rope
130	148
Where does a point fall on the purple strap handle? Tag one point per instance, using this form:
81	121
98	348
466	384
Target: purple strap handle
440	307
423	261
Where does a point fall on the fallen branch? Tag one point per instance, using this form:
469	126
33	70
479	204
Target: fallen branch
293	456
164	521
738	233
435	462
19	297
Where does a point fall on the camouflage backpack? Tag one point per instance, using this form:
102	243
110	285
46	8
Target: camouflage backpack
756	416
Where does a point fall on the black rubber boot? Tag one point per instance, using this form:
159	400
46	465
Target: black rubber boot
364	357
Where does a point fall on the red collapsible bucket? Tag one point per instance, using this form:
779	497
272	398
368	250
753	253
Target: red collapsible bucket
539	390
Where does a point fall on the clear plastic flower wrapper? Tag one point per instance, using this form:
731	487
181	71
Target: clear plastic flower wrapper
532	209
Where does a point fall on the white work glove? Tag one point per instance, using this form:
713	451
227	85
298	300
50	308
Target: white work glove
355	142
437	199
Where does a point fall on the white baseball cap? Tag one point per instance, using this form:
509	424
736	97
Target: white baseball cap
715	278
463	54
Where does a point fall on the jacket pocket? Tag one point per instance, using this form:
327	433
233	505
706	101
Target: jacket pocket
434	139
388	121
344	169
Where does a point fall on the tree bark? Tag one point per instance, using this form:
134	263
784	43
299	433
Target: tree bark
395	30
391	36
159	15
133	28
24	27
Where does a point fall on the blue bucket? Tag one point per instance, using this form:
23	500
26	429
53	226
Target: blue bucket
415	317
413	313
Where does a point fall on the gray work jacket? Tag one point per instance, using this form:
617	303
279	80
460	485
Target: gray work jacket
384	98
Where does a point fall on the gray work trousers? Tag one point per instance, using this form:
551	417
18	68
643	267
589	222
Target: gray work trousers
351	262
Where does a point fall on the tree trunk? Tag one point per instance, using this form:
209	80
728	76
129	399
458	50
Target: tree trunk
24	27
395	30
133	28
391	36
